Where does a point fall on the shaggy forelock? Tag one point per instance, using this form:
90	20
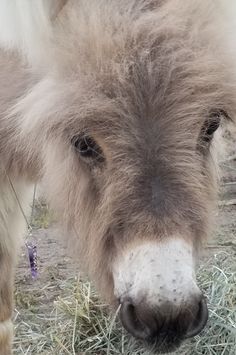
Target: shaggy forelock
146	58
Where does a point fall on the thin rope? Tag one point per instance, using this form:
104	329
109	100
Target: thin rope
33	205
19	203
32	249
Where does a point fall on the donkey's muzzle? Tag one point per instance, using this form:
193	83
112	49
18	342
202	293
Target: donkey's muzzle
167	326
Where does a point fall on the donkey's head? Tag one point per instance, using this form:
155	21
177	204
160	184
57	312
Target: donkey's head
126	125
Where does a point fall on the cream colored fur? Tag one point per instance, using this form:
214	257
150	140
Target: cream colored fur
26	25
12	229
12	222
6	336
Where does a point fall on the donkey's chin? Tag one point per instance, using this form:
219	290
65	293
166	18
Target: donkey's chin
155	347
162	347
158	346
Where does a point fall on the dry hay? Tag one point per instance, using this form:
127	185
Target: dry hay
80	324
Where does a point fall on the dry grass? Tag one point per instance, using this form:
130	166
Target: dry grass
80	324
42	216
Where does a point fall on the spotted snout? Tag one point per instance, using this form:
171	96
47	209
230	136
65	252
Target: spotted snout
160	302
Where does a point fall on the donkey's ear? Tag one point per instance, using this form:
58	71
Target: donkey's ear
223	115
27	26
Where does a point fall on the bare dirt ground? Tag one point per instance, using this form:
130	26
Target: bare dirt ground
35	298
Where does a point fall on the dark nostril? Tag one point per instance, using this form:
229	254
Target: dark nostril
138	321
166	325
200	320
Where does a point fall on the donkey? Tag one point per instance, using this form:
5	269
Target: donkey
114	106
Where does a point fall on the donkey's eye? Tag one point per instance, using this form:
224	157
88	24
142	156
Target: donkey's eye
87	148
209	128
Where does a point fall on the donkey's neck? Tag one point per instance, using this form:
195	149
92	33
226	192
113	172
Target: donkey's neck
15	156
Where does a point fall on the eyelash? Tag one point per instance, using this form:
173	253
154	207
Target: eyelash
87	147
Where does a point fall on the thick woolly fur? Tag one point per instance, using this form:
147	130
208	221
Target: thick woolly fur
141	77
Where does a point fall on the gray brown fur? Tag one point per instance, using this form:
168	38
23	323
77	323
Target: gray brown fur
141	77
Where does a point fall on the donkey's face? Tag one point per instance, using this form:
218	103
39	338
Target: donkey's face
132	176
126	124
